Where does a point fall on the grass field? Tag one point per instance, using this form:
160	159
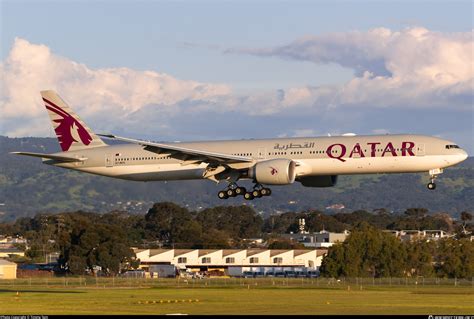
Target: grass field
237	297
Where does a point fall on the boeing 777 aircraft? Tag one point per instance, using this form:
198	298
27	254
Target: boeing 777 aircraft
312	161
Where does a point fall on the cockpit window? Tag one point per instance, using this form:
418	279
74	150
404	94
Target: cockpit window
451	146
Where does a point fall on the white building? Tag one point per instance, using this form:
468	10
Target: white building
409	235
10	252
223	259
10	241
322	239
7	269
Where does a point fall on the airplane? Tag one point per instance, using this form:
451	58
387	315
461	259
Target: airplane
311	161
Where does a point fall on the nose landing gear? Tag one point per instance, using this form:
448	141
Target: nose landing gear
433	175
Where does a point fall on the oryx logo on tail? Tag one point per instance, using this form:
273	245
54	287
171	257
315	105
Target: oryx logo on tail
69	129
72	133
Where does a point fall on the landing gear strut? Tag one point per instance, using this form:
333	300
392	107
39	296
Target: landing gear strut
433	175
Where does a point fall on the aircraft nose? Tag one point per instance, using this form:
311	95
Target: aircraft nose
462	156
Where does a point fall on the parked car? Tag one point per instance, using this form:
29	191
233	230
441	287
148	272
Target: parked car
43	267
290	274
312	274
29	267
247	274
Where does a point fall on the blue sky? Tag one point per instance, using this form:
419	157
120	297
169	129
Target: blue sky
152	34
237	44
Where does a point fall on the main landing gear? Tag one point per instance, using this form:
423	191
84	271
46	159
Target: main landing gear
433	175
257	192
231	191
234	190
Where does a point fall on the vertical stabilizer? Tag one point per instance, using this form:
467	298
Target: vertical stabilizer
72	132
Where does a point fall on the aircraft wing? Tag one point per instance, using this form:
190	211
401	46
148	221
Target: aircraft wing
51	156
183	153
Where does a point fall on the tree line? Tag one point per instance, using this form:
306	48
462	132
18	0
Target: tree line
369	252
86	240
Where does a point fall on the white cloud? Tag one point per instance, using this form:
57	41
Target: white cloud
402	73
112	95
115	92
415	67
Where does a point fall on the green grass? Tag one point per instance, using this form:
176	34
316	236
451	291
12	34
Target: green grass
229	297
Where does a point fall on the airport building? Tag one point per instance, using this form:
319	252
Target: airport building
325	239
10	252
10	241
412	235
322	239
7	269
231	262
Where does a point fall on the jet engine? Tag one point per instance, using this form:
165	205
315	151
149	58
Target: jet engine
318	181
274	172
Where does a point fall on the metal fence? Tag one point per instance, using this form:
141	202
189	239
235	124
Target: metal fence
248	283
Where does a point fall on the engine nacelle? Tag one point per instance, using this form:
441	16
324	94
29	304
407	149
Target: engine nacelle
274	172
318	181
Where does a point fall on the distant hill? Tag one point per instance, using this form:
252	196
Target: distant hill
28	187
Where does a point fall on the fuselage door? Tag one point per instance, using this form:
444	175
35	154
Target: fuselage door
420	149
108	160
262	153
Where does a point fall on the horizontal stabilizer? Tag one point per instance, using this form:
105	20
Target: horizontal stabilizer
50	156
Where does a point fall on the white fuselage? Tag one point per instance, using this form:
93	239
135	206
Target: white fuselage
315	156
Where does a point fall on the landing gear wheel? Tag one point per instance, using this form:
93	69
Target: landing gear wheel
248	196
240	191
256	193
431	186
231	192
266	191
222	195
